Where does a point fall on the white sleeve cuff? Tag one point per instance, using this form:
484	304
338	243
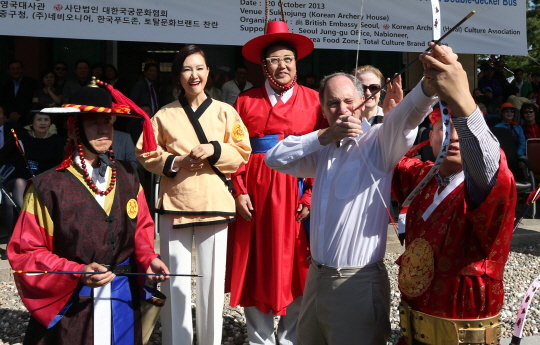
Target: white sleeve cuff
421	101
172	164
310	142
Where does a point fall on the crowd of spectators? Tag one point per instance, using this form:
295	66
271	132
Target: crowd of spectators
496	88
510	104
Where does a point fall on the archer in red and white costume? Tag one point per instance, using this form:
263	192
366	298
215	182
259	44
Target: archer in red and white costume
458	228
268	245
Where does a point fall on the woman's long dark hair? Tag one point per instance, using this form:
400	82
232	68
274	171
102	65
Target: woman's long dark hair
178	63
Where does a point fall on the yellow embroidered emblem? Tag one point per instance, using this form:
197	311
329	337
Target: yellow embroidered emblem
132	208
239	131
416	268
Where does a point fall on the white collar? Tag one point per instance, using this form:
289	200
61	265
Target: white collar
93	172
438	198
274	96
195	109
99	181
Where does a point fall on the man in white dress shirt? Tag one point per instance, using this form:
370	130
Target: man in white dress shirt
347	293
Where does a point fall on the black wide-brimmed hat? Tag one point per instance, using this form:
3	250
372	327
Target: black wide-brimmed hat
92	99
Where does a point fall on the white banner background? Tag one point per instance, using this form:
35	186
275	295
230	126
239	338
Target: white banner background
499	26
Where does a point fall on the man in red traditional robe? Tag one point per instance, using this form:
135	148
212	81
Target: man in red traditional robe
458	228
76	218
268	246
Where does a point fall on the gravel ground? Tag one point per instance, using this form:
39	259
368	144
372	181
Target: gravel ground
522	268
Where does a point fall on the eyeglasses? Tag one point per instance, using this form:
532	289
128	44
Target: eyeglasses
530	111
372	88
276	60
59	68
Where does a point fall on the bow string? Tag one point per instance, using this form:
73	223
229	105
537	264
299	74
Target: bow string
436	17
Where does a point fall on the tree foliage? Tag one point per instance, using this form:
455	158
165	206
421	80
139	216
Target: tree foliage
529	63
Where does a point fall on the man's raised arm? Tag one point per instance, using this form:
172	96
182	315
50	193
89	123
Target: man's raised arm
295	155
479	148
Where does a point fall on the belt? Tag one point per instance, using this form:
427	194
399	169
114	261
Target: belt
119	268
427	329
352	268
264	143
455	265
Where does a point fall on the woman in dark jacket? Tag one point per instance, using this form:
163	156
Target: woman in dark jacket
43	151
48	93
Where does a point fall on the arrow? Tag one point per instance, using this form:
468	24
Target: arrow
415	60
36	272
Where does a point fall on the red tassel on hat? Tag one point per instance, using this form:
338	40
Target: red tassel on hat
71	146
149	140
67	157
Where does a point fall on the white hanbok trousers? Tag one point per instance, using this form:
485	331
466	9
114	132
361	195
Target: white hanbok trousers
211	255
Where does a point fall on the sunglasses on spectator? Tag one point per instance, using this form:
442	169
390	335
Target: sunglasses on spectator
372	88
530	111
59	68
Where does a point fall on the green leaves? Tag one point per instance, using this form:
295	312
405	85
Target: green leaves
528	64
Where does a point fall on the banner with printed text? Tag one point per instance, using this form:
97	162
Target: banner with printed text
499	26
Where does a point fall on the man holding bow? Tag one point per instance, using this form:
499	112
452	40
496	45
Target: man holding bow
87	215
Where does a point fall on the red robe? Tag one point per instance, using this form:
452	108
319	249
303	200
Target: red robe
267	257
470	245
